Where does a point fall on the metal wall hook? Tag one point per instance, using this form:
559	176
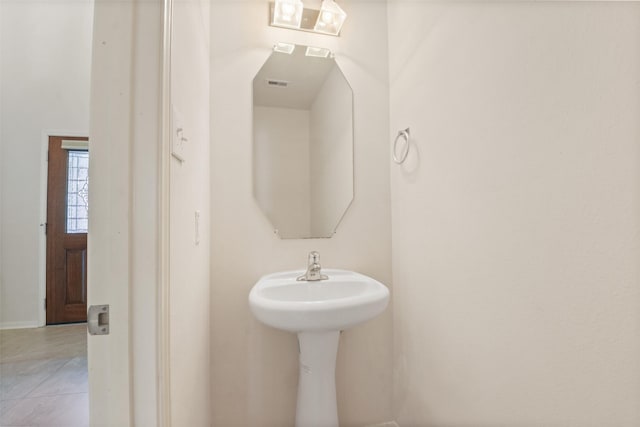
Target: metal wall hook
405	134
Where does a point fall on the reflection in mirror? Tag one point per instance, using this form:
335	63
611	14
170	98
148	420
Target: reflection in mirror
302	143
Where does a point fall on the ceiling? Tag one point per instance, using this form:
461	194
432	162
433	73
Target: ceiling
297	78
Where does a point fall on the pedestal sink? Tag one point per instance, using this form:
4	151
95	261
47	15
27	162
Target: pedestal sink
317	311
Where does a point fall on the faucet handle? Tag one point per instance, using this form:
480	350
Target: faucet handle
314	257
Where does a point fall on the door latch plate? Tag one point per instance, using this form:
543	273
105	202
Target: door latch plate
98	320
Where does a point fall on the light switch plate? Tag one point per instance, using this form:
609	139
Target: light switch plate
178	138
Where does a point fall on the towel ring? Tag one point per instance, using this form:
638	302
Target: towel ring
403	156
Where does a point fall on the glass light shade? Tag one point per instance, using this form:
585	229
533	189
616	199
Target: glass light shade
319	52
330	18
287	48
287	13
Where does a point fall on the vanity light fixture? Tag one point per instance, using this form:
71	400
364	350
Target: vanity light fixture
287	13
293	15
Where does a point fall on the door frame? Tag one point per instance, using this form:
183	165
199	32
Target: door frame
163	336
42	241
130	135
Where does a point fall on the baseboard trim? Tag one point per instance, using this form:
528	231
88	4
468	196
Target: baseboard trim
20	325
385	424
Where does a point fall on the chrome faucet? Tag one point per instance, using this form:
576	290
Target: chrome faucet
313	269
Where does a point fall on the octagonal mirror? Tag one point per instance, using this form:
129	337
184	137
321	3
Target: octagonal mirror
302	142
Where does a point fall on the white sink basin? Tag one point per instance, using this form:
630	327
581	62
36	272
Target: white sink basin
343	300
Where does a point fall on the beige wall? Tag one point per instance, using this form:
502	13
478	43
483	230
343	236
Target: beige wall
516	218
190	332
254	368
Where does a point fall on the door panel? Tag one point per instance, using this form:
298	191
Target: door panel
76	279
66	248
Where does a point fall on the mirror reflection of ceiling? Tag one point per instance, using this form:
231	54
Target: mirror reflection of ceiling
295	83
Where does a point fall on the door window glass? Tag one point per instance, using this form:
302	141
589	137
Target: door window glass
78	192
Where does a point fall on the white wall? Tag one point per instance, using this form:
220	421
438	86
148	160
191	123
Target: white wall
516	218
45	61
190	333
254	368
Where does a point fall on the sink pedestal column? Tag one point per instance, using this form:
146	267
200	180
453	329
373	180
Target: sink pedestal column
317	382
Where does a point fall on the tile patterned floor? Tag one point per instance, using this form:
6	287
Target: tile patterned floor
43	377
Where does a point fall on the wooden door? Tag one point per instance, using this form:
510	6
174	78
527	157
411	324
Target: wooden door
67	198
